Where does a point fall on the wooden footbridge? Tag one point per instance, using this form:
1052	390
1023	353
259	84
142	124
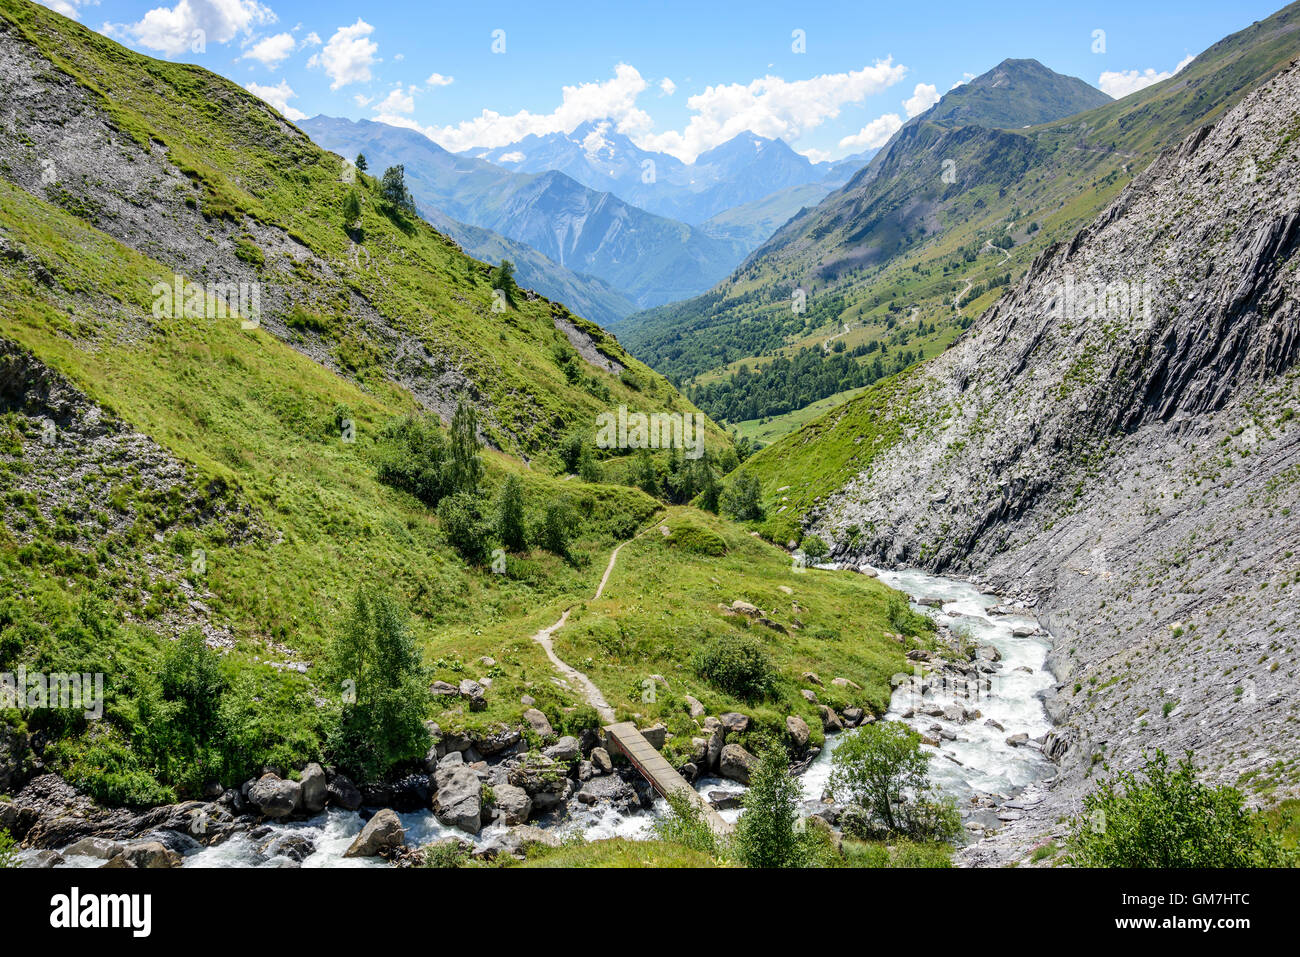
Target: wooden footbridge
662	776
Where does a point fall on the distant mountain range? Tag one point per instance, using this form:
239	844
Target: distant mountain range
742	170
952	194
577	216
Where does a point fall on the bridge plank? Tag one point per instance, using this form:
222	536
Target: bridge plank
663	777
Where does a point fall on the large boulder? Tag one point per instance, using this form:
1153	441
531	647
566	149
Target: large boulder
274	797
98	847
716	738
601	761
830	720
459	801
735	762
293	846
540	724
314	788
564	750
514	803
342	793
544	780
382	832
798	730
696	708
151	855
734	722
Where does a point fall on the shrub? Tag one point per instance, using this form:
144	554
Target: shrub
905	621
376	665
1165	818
413	457
686	825
737	665
249	252
742	499
464	526
697	539
510	515
589	469
814	548
556	528
351	208
465	468
571	450
881	771
503	278
446	853
766	834
8	853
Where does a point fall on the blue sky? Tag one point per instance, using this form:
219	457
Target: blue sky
676	76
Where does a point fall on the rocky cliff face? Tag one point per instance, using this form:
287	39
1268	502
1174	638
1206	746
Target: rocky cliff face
1119	437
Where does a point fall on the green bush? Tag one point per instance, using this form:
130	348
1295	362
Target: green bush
503	277
697	539
8	851
685	824
375	664
446	853
394	190
742	499
814	549
767	832
737	665
882	773
413	457
1157	817
556	528
905	621
466	529
511	527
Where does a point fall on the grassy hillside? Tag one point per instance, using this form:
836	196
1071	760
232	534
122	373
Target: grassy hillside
259	202
168	473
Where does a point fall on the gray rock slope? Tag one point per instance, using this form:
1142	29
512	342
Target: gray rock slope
1128	454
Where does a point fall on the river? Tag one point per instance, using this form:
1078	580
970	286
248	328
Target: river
973	763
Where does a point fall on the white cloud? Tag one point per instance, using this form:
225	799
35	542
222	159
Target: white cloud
437	79
965	78
1118	84
272	50
176	29
771	107
69	8
279	97
398	102
512	157
399	57
614	99
667	86
875	134
816	155
348	56
361	100
924	96
312	39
